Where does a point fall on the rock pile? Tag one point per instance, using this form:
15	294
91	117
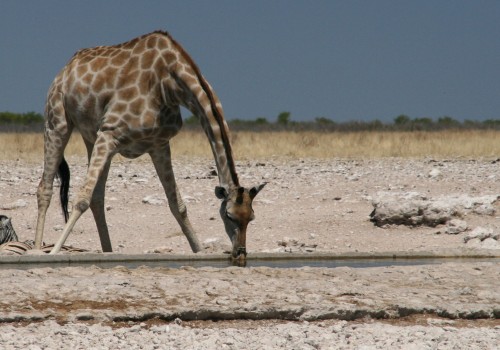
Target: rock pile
482	237
414	209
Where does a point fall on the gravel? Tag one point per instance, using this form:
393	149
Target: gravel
308	206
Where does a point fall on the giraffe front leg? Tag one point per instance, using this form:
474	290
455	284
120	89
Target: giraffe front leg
75	215
163	165
102	153
97	207
97	204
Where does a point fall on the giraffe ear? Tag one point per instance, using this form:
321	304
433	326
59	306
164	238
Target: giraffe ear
220	192
254	190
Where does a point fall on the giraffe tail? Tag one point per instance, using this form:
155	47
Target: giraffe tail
64	176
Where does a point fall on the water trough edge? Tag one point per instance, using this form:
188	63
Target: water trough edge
89	258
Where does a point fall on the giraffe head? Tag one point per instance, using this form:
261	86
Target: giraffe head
236	212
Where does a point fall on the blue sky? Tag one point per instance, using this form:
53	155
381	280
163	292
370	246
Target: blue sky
344	60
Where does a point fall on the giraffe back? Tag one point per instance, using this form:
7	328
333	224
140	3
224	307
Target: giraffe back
131	89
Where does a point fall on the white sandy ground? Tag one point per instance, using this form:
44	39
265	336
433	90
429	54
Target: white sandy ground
307	205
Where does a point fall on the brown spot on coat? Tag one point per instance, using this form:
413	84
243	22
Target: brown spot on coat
97	64
127	94
119	59
137	106
148	59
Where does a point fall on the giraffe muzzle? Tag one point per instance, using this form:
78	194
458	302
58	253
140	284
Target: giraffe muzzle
239	253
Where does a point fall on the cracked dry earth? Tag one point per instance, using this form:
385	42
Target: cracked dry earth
307	206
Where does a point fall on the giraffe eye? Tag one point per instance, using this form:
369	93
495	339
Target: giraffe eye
230	216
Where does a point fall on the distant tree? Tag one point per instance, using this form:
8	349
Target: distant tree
375	125
448	122
324	121
402	119
7	117
422	123
33	117
492	123
261	120
471	124
283	118
20	118
191	120
423	120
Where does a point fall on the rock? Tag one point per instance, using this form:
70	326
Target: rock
84	316
339	326
20	203
440	322
290	245
483	238
456	226
287	241
162	250
153	200
480	233
435	173
411	213
490	243
211	240
485	209
215	245
474	243
189	199
413	209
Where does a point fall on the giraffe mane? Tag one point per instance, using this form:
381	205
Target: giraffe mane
215	111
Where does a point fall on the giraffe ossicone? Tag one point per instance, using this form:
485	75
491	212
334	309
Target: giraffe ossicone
126	99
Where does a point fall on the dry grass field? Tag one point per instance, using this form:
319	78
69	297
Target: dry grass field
321	190
248	145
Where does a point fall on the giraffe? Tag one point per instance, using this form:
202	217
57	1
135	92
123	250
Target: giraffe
125	99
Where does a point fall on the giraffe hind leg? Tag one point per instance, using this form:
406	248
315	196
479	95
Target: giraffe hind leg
56	137
163	165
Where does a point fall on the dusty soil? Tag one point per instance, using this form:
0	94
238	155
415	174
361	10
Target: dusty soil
307	205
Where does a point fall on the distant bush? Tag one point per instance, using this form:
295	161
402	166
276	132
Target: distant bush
15	122
31	121
402	119
23	119
402	122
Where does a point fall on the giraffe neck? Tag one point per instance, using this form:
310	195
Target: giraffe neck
202	101
218	135
216	129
